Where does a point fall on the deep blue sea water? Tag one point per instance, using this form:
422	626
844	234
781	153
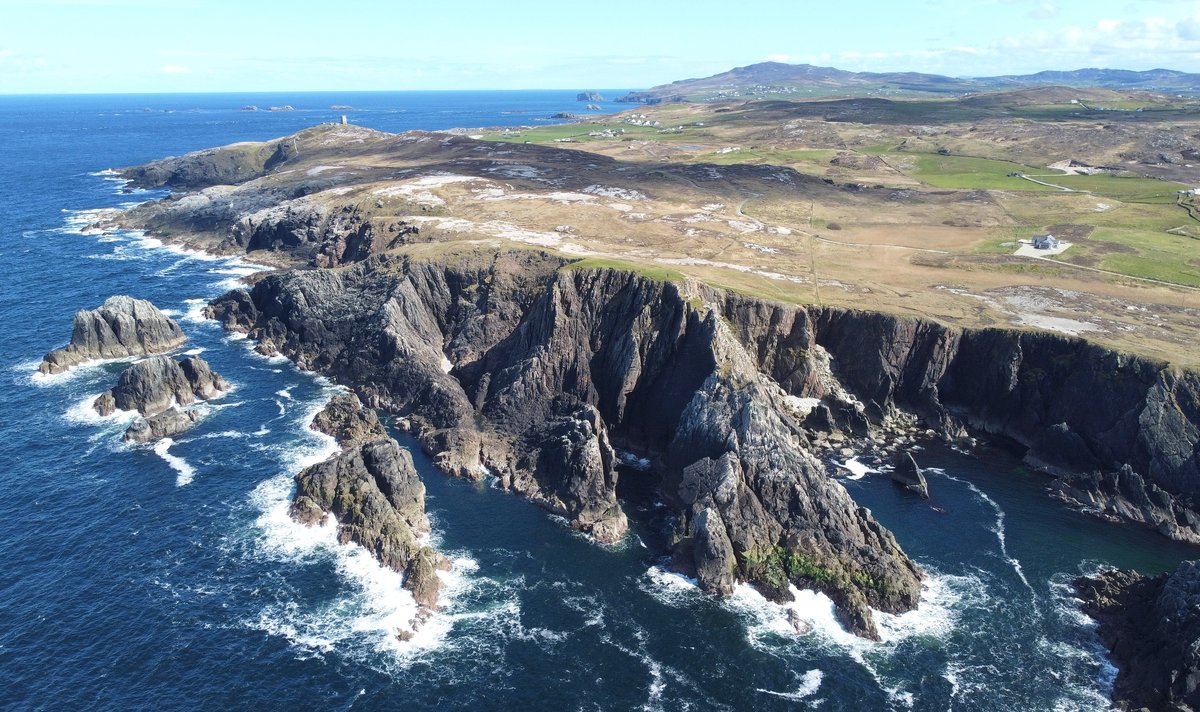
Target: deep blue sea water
171	578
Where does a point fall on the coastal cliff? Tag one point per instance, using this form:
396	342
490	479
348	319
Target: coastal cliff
524	365
543	372
514	364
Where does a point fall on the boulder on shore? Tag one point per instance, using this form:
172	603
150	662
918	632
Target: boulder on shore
119	328
908	475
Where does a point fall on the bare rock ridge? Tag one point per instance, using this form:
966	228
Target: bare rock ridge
1151	625
522	365
119	328
155	387
373	491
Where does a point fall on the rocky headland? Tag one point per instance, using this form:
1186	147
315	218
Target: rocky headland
1151	627
537	367
373	491
120	328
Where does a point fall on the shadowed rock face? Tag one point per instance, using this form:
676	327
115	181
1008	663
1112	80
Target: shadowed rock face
1151	625
154	385
119	328
513	363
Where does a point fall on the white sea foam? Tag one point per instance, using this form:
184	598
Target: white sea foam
195	310
38	378
193	352
856	469
810	682
632	461
230	284
185	472
238	270
83	412
670	588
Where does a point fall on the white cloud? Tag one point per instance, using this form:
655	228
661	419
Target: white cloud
175	69
1044	11
779	58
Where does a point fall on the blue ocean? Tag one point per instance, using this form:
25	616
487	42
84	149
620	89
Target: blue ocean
169	577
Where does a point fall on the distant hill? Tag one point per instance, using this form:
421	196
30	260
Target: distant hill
777	79
1089	96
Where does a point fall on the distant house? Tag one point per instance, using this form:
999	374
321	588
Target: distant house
1045	242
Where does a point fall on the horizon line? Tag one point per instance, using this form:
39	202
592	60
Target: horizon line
304	91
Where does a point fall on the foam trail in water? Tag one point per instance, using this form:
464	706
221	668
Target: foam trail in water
998	529
810	682
186	473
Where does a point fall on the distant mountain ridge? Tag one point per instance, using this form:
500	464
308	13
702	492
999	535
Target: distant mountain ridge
773	78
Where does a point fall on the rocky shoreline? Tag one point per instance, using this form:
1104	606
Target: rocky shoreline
722	393
1151	627
373	491
531	367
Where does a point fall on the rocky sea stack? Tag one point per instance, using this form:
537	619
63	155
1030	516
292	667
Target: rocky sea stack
154	388
1151	626
120	328
373	491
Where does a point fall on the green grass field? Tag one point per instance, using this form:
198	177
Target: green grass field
967	173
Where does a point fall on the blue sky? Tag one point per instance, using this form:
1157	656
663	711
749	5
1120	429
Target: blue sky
260	45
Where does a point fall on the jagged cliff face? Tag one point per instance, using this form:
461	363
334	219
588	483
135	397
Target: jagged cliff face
519	364
512	364
1151	626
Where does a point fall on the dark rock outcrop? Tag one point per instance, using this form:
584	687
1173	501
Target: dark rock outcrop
346	420
156	384
1077	407
327	237
373	491
121	327
167	424
1151	625
504	362
907	473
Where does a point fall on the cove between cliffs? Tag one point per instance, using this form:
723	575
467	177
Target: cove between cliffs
522	365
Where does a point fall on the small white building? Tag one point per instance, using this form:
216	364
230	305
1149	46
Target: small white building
1045	242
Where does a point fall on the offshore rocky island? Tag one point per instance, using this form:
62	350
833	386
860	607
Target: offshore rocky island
493	300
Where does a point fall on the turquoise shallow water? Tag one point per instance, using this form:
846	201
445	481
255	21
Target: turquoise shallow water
171	578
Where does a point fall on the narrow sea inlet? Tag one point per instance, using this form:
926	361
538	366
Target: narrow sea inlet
171	576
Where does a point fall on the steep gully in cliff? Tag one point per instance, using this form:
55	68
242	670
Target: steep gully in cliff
517	364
